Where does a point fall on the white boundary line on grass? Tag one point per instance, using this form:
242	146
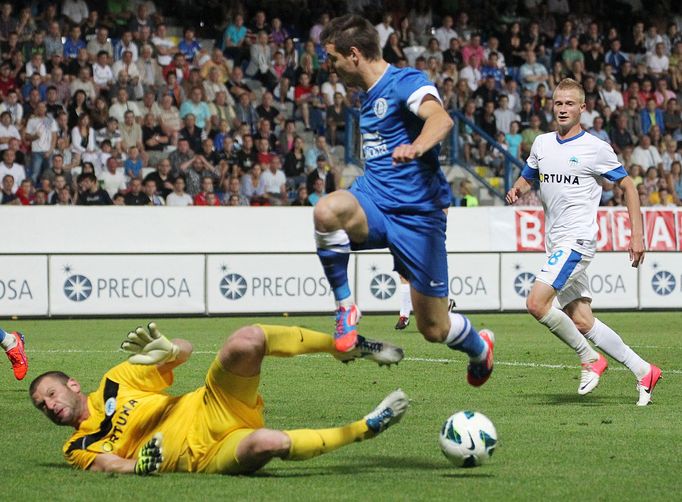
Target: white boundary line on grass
513	364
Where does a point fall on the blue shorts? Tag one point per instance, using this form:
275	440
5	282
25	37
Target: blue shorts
416	241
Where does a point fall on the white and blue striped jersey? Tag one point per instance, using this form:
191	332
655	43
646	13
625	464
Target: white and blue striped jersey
568	171
388	119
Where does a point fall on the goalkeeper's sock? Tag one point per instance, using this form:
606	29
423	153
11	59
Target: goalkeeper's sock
333	249
309	443
287	341
7	340
563	328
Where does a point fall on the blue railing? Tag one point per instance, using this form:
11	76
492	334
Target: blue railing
353	147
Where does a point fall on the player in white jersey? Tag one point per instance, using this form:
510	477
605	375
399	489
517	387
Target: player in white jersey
568	164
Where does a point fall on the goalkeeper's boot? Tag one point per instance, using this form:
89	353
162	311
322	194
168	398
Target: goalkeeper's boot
382	353
646	385
479	372
346	334
403	322
17	356
590	373
390	411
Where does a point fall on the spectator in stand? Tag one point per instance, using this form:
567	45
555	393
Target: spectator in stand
492	69
597	129
100	43
294	164
275	182
131	135
102	74
191	132
178	197
529	135
259	62
8	195
201	198
35	82
11	104
324	171
151	74
662	94
621	136
90	194
189	45
672	119
504	116
317	193
302	196
253	186
154	139
73	43
9	166
532	73
675	181
113	178
471	74
133	164
646	154
336	120
611	96
162	178
135	196
650	116
514	139
321	147
41	131
7	130
83	140
670	156
392	52
588	114
169	118
246	112
232	191
572	53
615	57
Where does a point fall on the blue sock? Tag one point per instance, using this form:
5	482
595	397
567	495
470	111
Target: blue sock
335	266
2	335
464	337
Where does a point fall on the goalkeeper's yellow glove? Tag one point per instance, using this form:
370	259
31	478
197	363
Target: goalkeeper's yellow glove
149	346
151	456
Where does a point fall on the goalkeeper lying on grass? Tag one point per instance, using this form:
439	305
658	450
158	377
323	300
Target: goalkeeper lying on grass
129	424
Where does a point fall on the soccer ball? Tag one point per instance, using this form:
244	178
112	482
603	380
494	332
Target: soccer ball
468	438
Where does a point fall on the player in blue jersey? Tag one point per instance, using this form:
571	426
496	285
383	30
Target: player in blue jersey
13	345
400	201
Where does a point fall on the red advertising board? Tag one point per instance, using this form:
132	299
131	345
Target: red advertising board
530	230
659	228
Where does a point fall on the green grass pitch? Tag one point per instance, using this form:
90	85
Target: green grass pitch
554	444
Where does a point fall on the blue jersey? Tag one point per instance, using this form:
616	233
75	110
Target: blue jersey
388	119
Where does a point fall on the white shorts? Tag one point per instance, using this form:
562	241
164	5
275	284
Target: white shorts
566	271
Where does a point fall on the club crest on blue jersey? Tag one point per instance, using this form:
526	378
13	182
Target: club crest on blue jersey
380	107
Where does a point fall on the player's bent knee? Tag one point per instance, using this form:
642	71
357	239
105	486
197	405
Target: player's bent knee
263	445
535	308
246	342
431	331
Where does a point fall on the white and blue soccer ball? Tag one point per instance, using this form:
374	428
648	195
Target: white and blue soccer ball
468	439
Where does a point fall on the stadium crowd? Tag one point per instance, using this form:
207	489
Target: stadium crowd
103	104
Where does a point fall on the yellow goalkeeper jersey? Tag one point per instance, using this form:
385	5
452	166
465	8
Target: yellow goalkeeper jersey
127	408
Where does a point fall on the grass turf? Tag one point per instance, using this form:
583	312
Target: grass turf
554	444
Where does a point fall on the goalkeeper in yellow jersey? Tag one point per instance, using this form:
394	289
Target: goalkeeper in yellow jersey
130	425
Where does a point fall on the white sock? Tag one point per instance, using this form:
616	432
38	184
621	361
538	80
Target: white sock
405	300
460	327
345	303
609	341
9	342
562	326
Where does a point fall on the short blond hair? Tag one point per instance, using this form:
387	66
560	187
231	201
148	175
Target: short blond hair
568	84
